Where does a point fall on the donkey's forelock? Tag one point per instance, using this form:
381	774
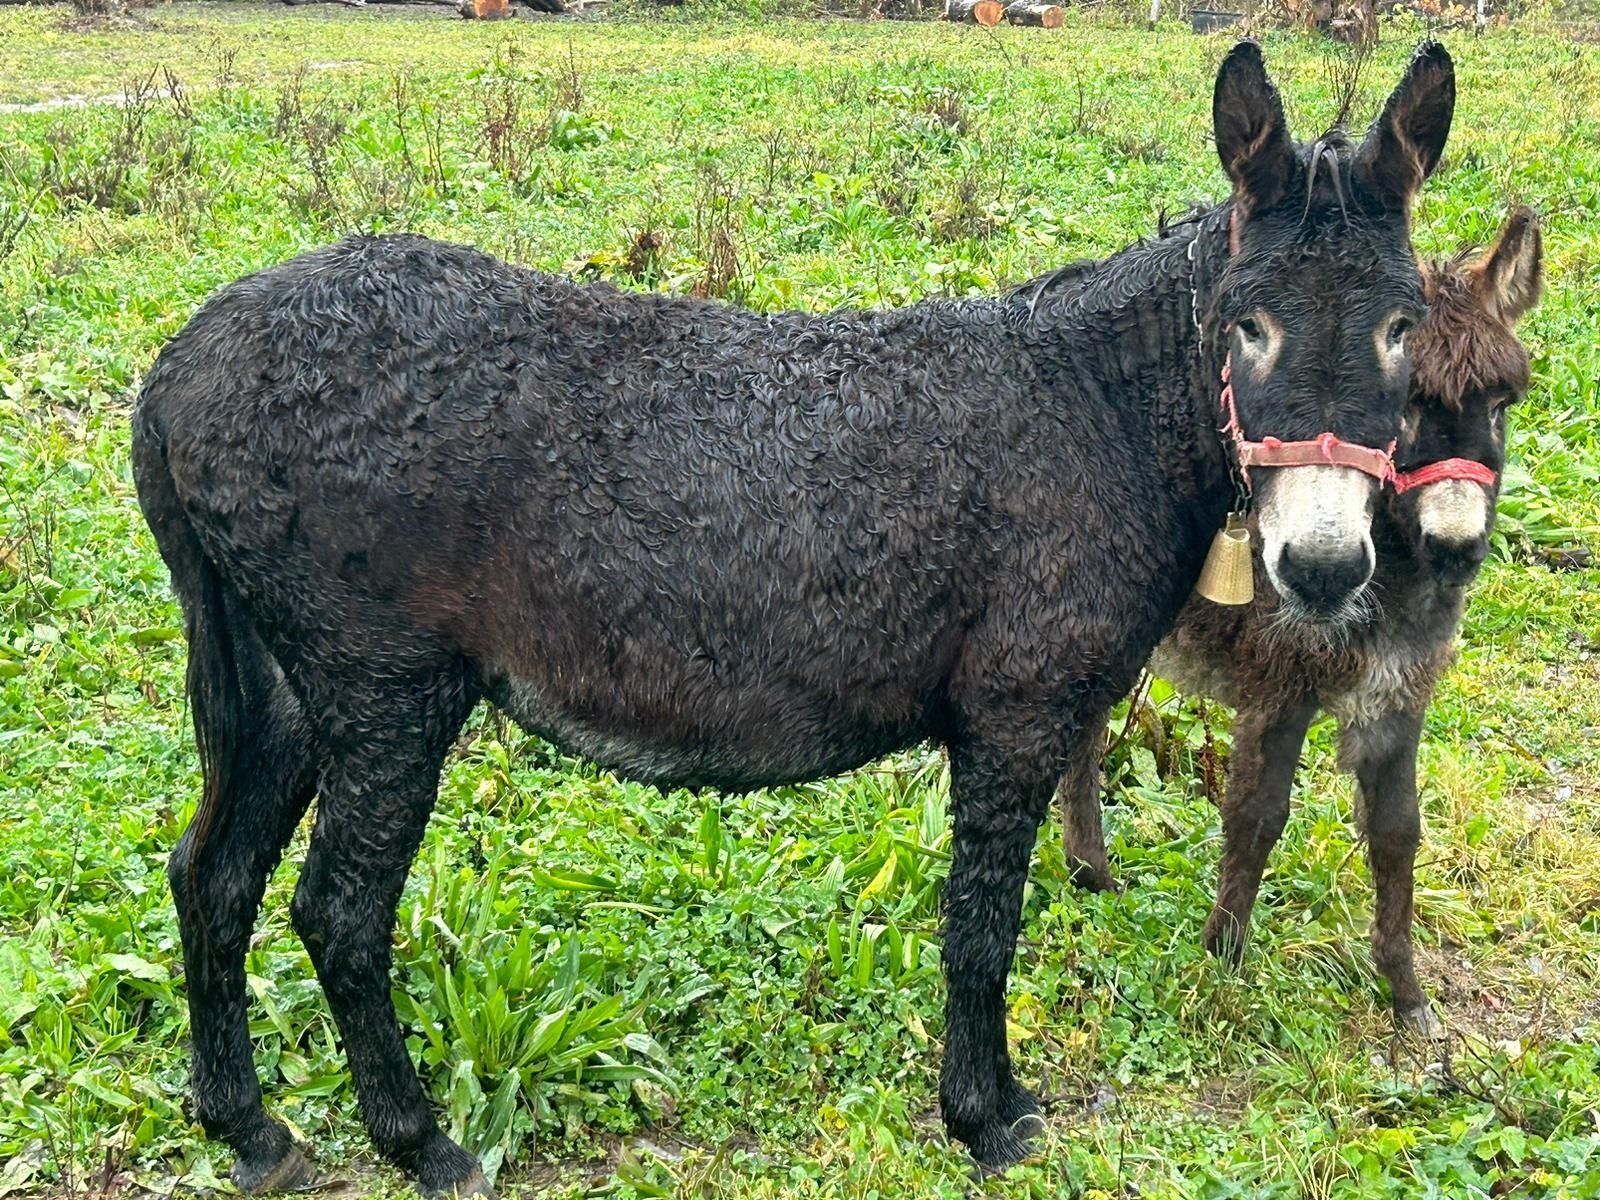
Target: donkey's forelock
1468	344
1459	350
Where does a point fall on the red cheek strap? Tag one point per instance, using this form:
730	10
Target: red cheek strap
1451	468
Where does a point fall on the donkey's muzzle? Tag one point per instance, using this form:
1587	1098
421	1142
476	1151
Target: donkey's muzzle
1454	562
1316	536
1454	517
1325	583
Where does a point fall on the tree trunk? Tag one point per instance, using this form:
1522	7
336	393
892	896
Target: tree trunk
984	12
1035	12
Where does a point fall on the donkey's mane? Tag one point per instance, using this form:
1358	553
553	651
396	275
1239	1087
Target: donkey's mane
1327	166
1083	271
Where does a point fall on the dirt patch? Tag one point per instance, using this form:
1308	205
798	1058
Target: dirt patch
58	102
1224	1100
78	100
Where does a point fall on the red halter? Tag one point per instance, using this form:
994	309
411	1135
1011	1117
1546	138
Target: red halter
1324	448
1450	468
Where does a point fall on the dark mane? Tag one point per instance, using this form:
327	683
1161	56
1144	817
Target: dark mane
1082	270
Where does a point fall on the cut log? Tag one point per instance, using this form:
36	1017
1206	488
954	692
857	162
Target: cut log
495	10
984	12
1034	12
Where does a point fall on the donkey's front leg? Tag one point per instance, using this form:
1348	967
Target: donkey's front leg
1383	756
997	816
1255	808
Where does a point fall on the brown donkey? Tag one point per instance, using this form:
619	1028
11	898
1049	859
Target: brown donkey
1378	672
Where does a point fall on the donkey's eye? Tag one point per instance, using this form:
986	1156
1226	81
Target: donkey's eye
1250	330
1398	328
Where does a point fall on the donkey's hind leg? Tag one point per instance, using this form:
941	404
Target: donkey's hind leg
1383	756
1255	808
1078	794
218	876
377	791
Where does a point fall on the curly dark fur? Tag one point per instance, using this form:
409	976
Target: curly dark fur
1378	674
704	546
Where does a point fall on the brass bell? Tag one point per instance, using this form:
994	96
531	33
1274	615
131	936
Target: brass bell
1229	575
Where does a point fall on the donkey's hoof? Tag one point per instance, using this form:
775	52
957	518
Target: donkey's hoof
1224	938
444	1171
1001	1144
291	1173
1006	1138
1421	1022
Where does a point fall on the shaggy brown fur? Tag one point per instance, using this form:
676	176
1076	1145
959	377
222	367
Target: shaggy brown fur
1378	676
1458	351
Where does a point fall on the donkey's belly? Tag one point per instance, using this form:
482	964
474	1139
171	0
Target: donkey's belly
743	744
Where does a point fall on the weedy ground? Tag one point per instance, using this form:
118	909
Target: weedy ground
615	992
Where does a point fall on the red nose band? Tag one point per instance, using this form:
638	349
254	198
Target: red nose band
1450	468
1324	450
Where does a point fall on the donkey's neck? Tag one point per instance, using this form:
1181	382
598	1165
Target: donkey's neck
1134	333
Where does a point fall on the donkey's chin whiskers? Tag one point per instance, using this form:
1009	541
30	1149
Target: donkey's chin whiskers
1296	624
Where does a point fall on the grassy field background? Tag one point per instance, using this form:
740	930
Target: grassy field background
614	992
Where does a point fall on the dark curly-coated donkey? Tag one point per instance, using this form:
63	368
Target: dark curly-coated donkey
710	547
1377	673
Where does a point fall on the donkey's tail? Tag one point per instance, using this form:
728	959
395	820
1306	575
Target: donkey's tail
216	699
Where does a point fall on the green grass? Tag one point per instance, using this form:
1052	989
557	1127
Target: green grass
614	992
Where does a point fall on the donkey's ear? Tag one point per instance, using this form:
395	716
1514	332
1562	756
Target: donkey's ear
1509	279
1406	141
1252	135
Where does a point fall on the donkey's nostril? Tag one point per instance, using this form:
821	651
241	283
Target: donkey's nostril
1325	583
